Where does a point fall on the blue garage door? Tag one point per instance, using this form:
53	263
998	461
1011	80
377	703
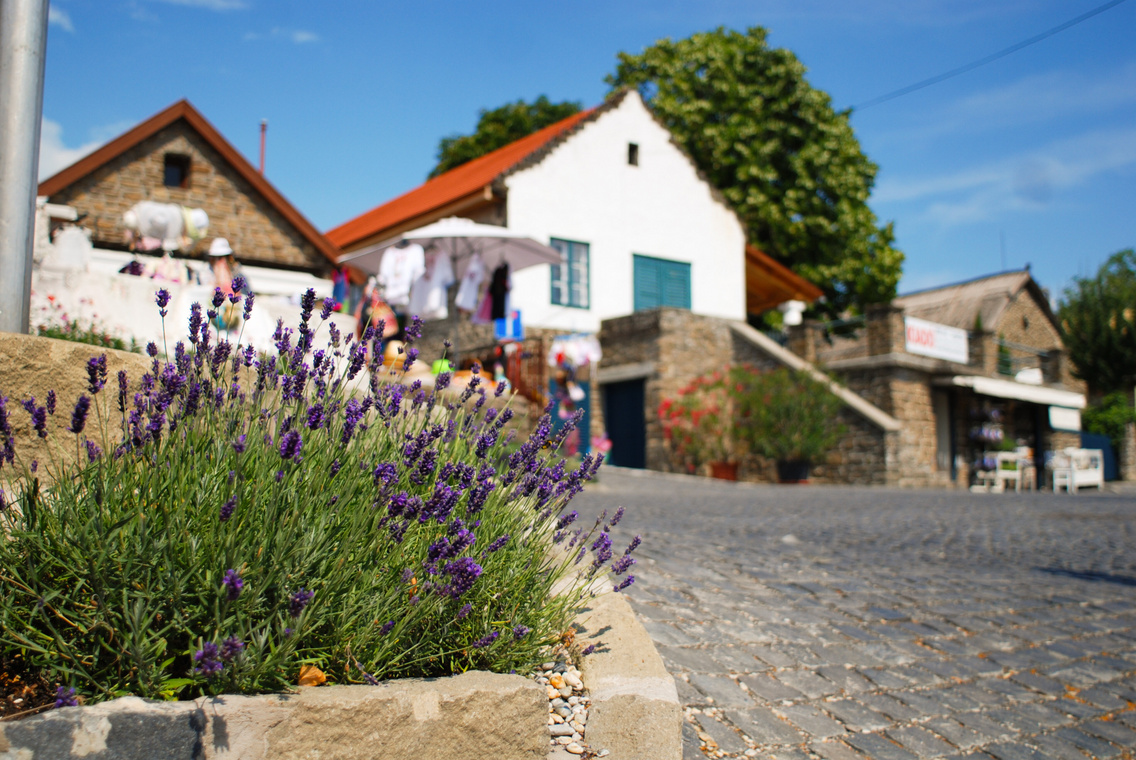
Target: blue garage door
661	282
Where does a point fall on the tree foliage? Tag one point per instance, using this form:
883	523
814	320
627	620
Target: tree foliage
498	127
788	163
1098	319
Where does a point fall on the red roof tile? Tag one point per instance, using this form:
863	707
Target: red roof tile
465	180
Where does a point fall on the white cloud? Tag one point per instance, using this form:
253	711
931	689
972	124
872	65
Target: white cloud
298	36
1026	181
1033	99
53	154
213	5
60	18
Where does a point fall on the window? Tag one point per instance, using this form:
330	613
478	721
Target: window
570	285
660	282
633	154
176	173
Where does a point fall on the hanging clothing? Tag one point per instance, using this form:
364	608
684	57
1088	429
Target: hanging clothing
399	269
428	295
499	291
339	285
471	284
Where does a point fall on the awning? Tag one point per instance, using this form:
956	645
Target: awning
1035	394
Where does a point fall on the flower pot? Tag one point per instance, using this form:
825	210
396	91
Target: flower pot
793	471
724	470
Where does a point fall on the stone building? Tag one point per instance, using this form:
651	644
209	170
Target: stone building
959	367
650	355
176	156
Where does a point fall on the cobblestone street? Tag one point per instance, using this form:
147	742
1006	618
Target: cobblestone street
850	622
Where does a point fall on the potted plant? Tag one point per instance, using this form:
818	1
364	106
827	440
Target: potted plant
699	426
788	417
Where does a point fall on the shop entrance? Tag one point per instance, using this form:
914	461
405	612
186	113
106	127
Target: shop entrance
626	422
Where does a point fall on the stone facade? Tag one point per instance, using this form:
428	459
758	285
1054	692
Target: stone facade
258	233
679	346
874	364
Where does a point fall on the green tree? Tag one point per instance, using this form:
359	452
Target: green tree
1098	319
498	127
788	163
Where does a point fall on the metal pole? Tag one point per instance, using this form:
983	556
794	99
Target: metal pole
23	43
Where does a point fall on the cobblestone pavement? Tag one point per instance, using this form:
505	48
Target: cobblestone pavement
850	622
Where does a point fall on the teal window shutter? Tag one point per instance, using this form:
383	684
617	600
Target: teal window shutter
660	282
570	278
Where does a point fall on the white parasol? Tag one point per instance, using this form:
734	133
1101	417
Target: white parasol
461	238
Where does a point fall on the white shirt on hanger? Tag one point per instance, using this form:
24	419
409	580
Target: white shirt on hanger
428	295
399	269
470	286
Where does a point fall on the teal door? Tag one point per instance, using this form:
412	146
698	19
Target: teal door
660	282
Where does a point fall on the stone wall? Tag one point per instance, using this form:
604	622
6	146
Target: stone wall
258	233
683	346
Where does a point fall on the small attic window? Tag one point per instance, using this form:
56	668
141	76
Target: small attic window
633	154
176	170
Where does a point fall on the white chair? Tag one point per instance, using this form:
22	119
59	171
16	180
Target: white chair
1075	469
1008	470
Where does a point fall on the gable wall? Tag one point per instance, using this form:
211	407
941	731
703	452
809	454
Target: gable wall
256	231
585	191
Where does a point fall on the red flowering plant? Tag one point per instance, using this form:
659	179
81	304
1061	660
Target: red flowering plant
700	424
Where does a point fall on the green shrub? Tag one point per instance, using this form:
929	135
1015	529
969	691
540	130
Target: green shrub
261	513
786	415
1109	416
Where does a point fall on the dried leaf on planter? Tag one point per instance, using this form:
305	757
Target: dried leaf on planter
310	675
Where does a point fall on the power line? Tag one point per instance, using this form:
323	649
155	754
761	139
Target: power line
988	59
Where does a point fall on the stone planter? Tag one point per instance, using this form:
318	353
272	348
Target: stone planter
635	714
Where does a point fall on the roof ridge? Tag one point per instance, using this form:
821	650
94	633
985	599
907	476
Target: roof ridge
183	109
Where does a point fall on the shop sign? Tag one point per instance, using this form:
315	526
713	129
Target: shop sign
1061	418
935	340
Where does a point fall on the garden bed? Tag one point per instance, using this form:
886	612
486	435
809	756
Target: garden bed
634	714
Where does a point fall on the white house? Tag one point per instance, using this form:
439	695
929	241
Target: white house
636	224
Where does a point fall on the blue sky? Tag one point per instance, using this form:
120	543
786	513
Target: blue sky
1037	150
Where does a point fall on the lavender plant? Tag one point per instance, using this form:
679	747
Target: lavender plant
256	513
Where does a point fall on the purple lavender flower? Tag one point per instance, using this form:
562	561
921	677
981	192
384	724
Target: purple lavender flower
93	451
39	416
65	697
96	374
240	444
248	306
465	610
328	306
497	544
218	298
486	640
520	631
386	628
335	466
231	648
501	385
414	329
79	415
625	583
208	660
195	323
238	285
589	649
228	508
463	573
279	475
299	601
50	403
233	584
8	453
34	465
315	417
162	298
352	414
618	516
411	355
633	545
291	444
442	381
622	565
385	473
307	305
